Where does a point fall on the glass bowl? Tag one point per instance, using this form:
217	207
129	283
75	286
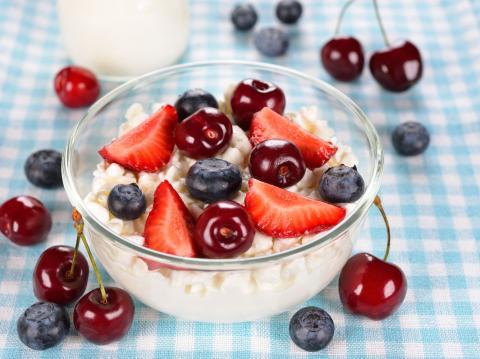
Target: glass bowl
214	290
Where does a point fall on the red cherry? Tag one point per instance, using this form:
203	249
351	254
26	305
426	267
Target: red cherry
25	220
398	67
251	96
277	162
51	280
76	86
203	133
343	58
104	323
371	287
224	230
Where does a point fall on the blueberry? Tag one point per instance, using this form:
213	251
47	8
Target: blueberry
311	328
126	201
289	11
213	179
192	100
43	325
43	168
271	41
341	184
244	17
410	138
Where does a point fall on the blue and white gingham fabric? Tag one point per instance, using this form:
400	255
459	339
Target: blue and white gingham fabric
433	200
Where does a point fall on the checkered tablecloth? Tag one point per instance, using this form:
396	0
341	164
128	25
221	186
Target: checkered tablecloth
433	200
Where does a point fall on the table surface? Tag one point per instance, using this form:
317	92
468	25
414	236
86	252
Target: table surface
432	200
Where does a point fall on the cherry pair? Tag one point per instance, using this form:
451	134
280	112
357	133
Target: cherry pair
104	314
396	68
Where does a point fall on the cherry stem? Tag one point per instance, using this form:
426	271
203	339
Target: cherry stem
70	273
380	24
378	204
342	13
78	224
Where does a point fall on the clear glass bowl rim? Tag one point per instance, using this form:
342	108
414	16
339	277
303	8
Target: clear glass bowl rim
323	238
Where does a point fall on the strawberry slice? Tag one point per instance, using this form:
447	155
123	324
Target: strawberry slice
268	124
148	146
169	226
283	214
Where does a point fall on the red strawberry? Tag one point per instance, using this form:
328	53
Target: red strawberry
148	146
169	226
268	124
283	214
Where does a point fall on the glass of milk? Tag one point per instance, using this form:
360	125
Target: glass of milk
118	39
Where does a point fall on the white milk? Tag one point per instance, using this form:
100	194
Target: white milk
124	37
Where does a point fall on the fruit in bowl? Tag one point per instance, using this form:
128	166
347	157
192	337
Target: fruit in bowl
220	227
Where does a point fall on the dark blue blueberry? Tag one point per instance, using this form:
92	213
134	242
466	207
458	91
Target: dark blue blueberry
289	11
192	100
43	325
213	179
410	138
244	17
311	328
341	184
271	41
44	168
126	201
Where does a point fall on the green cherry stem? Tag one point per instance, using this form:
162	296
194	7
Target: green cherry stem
380	23
78	224
378	204
70	273
342	14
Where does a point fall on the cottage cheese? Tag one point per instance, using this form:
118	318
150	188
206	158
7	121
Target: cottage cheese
217	296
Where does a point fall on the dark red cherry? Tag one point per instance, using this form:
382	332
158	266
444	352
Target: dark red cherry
277	162
204	133
52	280
251	96
224	230
76	86
104	323
398	67
371	287
25	220
342	57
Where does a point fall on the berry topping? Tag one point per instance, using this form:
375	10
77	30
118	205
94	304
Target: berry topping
410	138
244	17
147	147
271	41
277	162
224	230
311	328
267	124
43	325
76	86
251	96
103	323
371	287
341	184
43	168
398	67
283	214
126	201
342	57
204	133
24	220
288	11
193	100
53	280
169	226
213	179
